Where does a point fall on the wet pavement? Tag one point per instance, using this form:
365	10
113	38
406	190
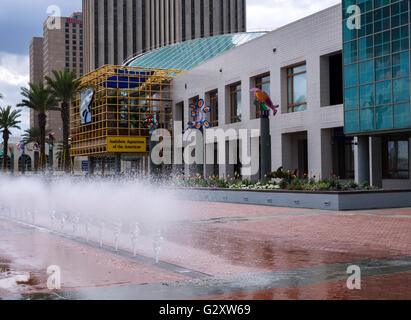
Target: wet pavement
218	251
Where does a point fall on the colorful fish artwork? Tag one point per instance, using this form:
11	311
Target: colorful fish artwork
151	123
199	114
262	100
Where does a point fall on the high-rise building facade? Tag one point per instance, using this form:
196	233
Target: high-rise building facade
36	69
115	30
377	88
60	48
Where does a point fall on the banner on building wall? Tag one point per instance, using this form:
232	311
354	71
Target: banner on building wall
85	107
126	145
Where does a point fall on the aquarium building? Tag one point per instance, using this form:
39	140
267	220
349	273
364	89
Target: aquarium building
342	87
344	94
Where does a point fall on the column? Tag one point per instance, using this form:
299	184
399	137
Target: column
314	153
118	163
91	165
362	159
376	161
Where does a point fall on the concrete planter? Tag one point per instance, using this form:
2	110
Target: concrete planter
356	200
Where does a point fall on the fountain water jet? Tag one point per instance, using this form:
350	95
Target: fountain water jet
158	242
117	231
105	206
134	238
101	233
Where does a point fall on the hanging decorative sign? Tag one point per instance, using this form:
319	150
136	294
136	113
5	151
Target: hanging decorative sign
50	140
21	147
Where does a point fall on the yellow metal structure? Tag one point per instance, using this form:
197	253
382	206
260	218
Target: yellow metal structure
123	98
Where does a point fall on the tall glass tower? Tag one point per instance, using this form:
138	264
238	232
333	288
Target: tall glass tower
376	54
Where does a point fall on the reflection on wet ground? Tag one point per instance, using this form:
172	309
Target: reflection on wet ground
241	253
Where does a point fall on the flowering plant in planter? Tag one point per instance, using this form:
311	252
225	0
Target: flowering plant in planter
278	180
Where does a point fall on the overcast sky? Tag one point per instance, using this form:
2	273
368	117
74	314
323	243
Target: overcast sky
20	20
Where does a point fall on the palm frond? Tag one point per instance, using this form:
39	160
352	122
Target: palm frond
9	119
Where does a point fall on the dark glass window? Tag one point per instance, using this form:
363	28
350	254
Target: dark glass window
193	19
221	31
202	18
105	32
381	19
399	14
183	18
211	17
125	31
96	38
135	25
382	43
115	35
143	22
400	39
396	158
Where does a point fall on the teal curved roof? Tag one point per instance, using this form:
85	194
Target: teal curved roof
188	54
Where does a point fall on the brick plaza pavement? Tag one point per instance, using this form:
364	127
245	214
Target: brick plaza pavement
224	251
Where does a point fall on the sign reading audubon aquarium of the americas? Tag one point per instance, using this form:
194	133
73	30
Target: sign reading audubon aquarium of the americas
126	144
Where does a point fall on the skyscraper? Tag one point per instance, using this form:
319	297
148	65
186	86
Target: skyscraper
115	30
36	69
61	47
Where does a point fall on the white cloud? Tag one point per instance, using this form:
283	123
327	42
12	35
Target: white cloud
14	74
272	14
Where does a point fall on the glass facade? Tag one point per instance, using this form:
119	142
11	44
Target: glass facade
188	54
376	65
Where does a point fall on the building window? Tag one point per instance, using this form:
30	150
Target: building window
396	159
211	18
297	88
193	20
183	18
213	98
263	83
235	101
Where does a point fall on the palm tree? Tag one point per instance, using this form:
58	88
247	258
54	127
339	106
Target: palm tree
33	135
1	96
65	87
40	99
8	120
